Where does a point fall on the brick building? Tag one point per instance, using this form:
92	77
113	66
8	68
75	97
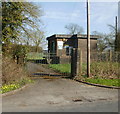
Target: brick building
61	45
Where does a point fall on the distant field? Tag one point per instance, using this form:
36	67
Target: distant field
35	56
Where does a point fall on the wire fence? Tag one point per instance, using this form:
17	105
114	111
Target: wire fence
103	64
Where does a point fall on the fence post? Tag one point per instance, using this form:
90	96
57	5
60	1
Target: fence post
73	63
118	60
77	62
110	53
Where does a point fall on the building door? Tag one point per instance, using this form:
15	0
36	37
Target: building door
52	47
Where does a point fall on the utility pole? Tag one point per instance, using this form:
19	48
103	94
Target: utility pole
88	38
116	40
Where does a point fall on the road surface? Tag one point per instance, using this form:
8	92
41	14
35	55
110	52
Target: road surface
61	95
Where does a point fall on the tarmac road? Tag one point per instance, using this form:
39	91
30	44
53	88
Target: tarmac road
61	95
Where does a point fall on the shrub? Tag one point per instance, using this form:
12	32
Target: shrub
104	69
108	70
11	71
19	53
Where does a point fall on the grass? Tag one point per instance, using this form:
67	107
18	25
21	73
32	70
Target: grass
102	73
62	68
35	56
13	86
107	82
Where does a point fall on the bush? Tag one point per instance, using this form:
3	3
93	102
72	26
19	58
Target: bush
106	70
19	53
11	72
15	51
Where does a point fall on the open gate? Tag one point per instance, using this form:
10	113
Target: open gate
50	64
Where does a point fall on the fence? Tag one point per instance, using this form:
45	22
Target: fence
51	64
103	64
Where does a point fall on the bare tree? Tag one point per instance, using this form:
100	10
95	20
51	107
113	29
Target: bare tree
37	38
105	42
74	29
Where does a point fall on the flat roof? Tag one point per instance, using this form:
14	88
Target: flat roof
67	36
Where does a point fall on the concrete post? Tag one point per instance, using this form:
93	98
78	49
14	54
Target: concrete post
80	62
75	63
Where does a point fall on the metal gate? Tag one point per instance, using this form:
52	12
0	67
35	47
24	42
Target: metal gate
51	64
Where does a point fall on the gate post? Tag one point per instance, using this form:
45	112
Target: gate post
74	63
80	62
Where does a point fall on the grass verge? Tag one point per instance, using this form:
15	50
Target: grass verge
15	85
107	82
